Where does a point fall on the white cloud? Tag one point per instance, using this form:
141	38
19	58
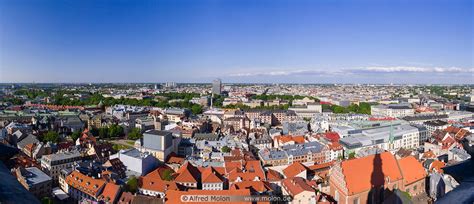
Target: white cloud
388	69
359	70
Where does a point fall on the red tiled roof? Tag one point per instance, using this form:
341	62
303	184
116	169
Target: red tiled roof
210	175
273	175
110	192
187	174
363	173
332	136
296	185
86	184
294	169
153	181
412	170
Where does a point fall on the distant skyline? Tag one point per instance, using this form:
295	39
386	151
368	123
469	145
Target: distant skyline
238	41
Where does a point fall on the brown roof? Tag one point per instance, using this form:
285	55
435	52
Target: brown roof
296	185
273	175
126	198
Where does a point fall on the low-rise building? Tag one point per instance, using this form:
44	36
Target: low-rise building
35	181
137	162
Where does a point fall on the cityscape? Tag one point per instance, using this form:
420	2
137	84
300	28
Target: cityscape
292	102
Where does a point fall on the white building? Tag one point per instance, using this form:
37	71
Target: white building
393	110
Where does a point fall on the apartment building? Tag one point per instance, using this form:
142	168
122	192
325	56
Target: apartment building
53	163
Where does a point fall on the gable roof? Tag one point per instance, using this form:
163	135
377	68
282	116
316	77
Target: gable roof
210	175
363	173
412	170
188	174
110	192
296	185
90	186
294	169
273	175
153	181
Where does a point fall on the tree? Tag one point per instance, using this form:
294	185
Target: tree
47	200
51	136
103	132
115	131
75	135
135	134
196	109
225	149
132	184
352	155
168	175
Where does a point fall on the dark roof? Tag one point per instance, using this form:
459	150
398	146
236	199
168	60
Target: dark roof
11	191
435	123
464	174
158	132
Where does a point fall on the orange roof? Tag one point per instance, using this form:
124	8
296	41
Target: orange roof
84	183
153	181
110	192
210	175
437	165
316	167
294	169
429	154
273	175
288	138
335	146
296	185
360	174
187	174
412	170
174	197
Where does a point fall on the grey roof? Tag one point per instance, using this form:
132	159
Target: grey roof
63	155
272	154
132	153
373	136
30	139
205	136
152	139
34	176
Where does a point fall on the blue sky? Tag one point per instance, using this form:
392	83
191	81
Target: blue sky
276	41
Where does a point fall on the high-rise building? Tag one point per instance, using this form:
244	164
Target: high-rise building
216	86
